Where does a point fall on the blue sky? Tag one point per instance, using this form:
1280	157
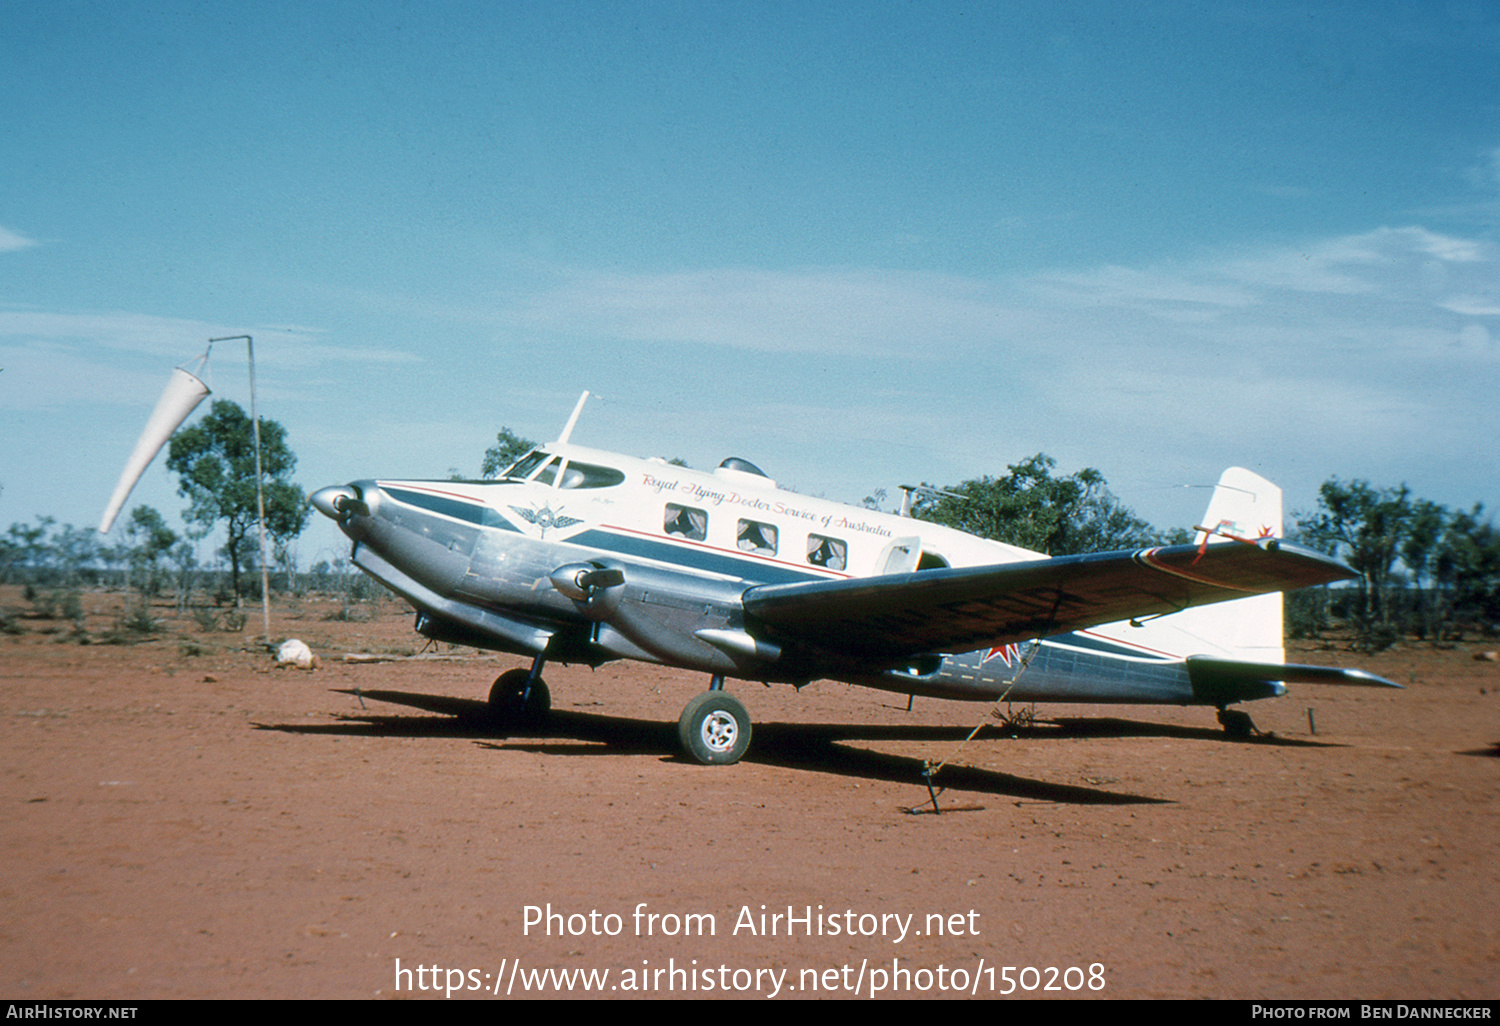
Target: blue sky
859	244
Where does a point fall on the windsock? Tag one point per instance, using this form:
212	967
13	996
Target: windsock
184	393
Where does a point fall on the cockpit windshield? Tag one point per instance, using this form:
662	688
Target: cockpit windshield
574	474
526	465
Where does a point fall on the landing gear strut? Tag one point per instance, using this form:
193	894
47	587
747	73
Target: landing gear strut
1236	724
715	727
521	695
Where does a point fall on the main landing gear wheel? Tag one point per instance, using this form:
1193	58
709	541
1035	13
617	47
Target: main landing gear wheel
714	729
509	699
1236	724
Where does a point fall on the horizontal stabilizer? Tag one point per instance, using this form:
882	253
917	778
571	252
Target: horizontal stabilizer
1231	680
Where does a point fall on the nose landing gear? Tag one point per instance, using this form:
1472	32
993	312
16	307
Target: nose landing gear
521	696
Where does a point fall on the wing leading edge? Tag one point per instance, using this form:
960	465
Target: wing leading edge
965	608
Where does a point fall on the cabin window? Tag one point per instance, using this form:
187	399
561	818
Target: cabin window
686	522
753	536
587	475
827	552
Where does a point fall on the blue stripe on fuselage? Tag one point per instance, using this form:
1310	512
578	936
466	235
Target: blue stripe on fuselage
470	510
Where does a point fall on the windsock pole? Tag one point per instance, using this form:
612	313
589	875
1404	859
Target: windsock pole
260	494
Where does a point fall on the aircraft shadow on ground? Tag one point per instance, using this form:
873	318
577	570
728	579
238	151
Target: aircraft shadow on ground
815	747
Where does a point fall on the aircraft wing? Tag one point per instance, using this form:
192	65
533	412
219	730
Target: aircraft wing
965	608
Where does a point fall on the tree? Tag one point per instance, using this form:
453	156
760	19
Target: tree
1365	527
1031	508
287	513
215	463
75	548
508	448
149	539
185	559
1468	563
25	550
1420	552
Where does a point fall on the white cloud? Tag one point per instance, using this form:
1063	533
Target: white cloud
48	376
1172	292
1387	261
1353	355
9	240
1487	174
1379	289
168	337
1473	306
1475	338
177	339
864	312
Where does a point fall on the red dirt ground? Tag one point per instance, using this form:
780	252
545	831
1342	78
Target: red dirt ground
185	820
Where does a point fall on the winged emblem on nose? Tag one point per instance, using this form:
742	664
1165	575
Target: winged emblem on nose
546	518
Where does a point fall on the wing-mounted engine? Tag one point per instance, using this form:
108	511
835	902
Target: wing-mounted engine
460	623
596	588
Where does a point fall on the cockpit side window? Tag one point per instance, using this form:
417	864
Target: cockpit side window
587	475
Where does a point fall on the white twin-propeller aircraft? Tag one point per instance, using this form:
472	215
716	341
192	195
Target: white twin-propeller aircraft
580	556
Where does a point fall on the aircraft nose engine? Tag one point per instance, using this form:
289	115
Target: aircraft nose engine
339	502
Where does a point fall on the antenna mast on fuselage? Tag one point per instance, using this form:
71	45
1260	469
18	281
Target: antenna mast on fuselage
567	431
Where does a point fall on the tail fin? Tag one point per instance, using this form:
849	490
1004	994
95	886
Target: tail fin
1244	507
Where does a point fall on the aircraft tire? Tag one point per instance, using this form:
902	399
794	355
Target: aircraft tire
1236	724
715	729
505	698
